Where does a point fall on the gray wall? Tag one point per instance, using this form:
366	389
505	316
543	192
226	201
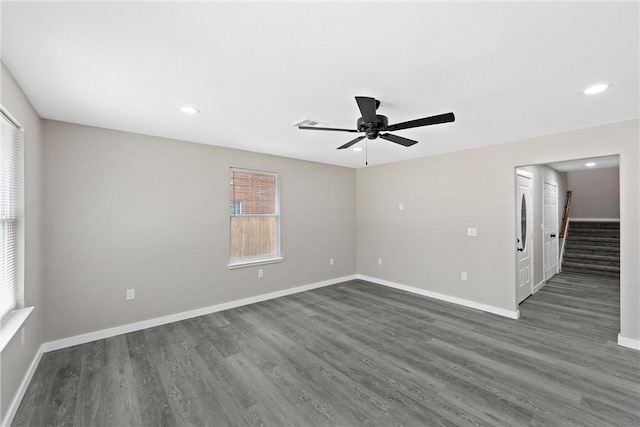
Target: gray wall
596	193
15	358
542	173
426	245
130	211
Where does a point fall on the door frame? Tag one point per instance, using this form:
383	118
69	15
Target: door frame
544	247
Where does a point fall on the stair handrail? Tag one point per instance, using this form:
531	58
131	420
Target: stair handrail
563	228
564	242
565	217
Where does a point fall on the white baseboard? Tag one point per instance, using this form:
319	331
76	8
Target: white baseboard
511	314
539	286
137	326
628	342
15	404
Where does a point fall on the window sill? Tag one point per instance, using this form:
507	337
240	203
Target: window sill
12	324
242	264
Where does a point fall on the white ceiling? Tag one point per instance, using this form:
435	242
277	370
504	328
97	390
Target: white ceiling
581	164
508	70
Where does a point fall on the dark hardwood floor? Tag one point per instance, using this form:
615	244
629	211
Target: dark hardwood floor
356	354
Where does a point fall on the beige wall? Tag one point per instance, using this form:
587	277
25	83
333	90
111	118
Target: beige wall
133	211
426	245
596	193
16	358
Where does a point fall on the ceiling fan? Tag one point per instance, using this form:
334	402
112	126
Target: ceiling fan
372	124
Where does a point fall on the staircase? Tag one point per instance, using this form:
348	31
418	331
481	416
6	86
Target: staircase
592	248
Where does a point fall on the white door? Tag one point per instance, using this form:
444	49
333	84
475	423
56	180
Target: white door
550	218
524	236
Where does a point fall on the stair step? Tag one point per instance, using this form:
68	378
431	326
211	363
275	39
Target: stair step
594	232
592	259
594	256
594	241
594	224
589	248
590	268
601	273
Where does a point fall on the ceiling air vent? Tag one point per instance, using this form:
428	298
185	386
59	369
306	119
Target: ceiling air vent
307	122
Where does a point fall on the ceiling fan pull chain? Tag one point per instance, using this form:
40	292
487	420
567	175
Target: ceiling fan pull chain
366	152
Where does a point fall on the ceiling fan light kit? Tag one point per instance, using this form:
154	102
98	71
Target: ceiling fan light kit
372	124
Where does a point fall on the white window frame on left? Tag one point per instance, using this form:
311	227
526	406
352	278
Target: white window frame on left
13	320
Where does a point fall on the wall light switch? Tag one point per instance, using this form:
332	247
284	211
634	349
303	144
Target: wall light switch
463	275
260	272
401	206
379	261
131	294
472	231
330	261
23	335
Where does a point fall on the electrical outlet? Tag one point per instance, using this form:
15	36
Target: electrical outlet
379	261
330	261
131	294
463	275
260	272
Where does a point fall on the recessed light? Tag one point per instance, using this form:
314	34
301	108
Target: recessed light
357	148
590	164
597	88
189	109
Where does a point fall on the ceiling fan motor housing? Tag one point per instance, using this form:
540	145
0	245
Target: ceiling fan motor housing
372	129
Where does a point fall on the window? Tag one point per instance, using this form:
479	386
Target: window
235	208
254	211
11	213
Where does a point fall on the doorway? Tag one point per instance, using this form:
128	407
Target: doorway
595	187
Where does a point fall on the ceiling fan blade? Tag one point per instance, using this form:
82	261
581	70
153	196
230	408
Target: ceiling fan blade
367	107
331	129
398	139
433	120
350	143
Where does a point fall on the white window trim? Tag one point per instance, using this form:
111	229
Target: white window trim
250	263
12	323
263	259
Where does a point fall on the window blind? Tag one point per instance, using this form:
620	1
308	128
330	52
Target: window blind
11	212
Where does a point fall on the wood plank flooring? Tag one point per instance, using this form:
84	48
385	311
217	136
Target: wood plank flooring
356	354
